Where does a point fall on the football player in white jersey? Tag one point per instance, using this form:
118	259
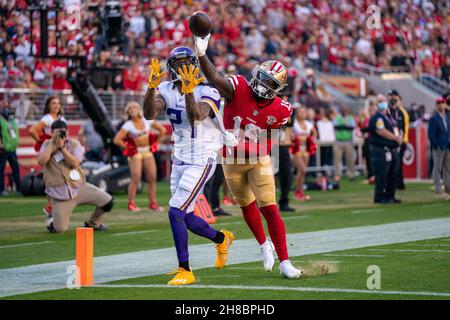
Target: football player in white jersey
190	106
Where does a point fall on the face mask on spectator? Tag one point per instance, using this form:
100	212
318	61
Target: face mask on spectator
382	106
5	113
392	102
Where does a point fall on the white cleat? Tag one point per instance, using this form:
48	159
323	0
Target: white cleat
287	270
267	255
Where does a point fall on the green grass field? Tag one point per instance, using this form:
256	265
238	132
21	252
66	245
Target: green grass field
409	270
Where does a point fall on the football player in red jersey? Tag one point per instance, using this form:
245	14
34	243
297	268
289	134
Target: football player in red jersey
254	108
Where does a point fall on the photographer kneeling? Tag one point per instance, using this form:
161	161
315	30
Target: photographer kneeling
65	182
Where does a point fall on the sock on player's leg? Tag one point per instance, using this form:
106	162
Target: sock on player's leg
180	234
184	265
253	219
200	227
276	229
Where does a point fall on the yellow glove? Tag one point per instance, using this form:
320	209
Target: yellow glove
189	79
155	74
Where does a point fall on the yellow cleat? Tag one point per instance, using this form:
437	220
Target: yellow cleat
222	249
182	277
172	272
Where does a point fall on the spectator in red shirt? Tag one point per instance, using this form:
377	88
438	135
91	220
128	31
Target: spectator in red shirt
59	69
132	78
43	73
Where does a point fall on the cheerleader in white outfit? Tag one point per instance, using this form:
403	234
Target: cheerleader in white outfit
135	138
304	130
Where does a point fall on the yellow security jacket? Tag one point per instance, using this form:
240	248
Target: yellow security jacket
405	124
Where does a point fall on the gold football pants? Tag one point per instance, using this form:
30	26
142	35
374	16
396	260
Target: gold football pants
250	182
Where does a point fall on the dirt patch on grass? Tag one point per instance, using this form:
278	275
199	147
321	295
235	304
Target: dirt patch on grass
317	268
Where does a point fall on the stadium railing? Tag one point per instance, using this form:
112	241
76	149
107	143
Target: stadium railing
366	69
361	69
434	83
28	104
357	157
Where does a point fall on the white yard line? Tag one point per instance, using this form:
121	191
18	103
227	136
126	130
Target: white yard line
408	250
295	218
228	223
132	232
428	245
354	255
25	244
367	210
244	268
275	288
49	276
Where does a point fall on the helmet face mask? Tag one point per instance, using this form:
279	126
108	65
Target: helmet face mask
177	58
176	64
269	79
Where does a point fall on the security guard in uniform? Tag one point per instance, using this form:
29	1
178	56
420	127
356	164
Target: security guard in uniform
385	141
398	112
285	162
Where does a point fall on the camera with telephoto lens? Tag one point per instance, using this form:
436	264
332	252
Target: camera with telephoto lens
62	134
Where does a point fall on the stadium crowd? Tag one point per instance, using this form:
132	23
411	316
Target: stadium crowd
329	35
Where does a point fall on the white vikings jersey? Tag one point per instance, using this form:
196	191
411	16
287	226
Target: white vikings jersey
193	144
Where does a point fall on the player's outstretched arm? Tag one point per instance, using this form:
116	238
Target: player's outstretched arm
209	70
195	111
153	103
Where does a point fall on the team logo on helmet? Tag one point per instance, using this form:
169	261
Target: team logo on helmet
178	57
269	78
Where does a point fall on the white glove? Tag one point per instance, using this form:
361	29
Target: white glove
201	44
230	139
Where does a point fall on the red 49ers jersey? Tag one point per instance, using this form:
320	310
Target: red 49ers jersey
245	113
270	115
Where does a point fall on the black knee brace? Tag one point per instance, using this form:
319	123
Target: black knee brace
107	207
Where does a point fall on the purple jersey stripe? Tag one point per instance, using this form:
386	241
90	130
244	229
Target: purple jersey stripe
198	187
215	101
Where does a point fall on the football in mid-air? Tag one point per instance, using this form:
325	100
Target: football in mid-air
200	24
